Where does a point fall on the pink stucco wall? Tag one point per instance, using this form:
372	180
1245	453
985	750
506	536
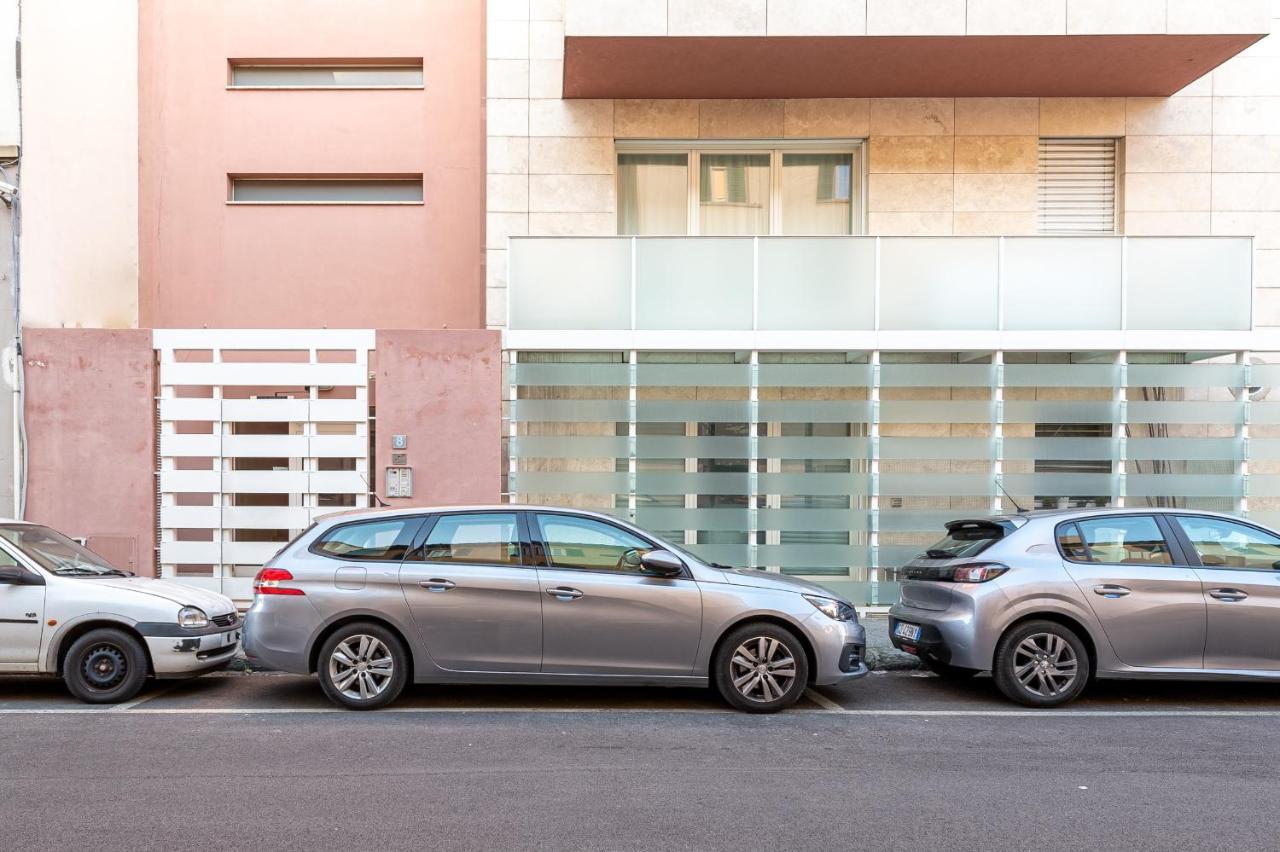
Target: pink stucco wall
442	389
206	263
91	436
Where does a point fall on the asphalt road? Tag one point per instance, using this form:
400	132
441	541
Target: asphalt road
895	761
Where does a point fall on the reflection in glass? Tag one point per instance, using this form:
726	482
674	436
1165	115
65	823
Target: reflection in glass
817	194
733	194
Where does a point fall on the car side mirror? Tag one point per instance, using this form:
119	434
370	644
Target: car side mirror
12	575
661	563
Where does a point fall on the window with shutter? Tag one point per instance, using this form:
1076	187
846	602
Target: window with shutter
1077	186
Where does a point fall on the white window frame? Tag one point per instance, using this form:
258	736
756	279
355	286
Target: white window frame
233	179
776	148
397	64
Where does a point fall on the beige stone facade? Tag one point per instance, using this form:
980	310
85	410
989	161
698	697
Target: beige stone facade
1206	161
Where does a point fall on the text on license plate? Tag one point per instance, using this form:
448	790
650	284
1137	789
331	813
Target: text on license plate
907	631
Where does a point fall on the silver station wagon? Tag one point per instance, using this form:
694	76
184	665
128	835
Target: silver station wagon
508	594
1047	600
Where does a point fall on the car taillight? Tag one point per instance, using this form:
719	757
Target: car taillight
268	582
977	572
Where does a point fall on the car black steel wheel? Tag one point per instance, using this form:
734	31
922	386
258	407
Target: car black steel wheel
362	666
761	668
105	666
1042	664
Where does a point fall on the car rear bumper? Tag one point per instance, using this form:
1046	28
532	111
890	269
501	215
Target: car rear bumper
948	637
277	636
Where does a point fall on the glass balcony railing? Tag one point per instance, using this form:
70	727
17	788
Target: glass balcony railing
880	283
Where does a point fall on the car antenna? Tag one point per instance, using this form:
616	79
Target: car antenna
1000	485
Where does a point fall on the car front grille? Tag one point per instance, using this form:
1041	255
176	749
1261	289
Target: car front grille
228	620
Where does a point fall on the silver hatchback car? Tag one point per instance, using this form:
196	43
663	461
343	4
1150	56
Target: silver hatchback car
508	594
1048	600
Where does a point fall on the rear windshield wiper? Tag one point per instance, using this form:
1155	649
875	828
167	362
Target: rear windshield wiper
938	554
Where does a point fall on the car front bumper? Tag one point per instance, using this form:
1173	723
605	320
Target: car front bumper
190	655
838	649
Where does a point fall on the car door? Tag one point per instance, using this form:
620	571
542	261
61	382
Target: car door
1140	587
600	614
474	601
22	593
1238	568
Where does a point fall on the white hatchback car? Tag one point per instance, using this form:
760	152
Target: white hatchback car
64	610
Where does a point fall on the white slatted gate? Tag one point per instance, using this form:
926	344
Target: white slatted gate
261	431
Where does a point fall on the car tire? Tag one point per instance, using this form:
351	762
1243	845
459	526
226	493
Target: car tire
362	666
105	666
949	672
1041	664
761	649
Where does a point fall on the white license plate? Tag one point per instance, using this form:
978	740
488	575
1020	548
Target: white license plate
230	638
907	631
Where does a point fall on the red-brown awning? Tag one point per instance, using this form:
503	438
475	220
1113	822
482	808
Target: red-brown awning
892	66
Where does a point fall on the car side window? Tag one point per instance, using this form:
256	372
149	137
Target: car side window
379	540
1071	544
1225	544
489	538
1124	540
572	542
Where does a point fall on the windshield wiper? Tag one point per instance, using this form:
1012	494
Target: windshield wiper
78	571
933	553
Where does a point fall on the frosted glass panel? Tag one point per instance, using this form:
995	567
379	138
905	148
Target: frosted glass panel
1062	283
592	292
764	458
797	274
1180	283
694	284
936	283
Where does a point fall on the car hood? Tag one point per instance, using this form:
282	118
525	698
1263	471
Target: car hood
771	580
211	602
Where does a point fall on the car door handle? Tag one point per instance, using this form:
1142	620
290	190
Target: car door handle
1111	590
437	585
564	593
1228	595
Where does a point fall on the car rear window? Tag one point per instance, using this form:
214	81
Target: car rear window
965	539
380	540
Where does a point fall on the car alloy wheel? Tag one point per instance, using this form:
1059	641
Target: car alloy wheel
104	667
361	667
1045	665
762	669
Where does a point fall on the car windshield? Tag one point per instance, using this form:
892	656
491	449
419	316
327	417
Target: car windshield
59	554
965	540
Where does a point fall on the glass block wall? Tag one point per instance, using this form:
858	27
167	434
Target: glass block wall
841	466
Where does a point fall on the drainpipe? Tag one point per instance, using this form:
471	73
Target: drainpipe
12	200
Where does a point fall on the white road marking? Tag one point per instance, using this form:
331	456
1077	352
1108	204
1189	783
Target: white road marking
142	699
275	711
822	700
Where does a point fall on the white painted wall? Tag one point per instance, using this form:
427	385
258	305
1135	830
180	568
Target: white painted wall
9	129
80	163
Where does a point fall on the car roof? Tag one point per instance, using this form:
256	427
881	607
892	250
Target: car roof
1019	518
352	514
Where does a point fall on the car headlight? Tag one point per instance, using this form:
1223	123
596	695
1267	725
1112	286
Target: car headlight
832	608
193	617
